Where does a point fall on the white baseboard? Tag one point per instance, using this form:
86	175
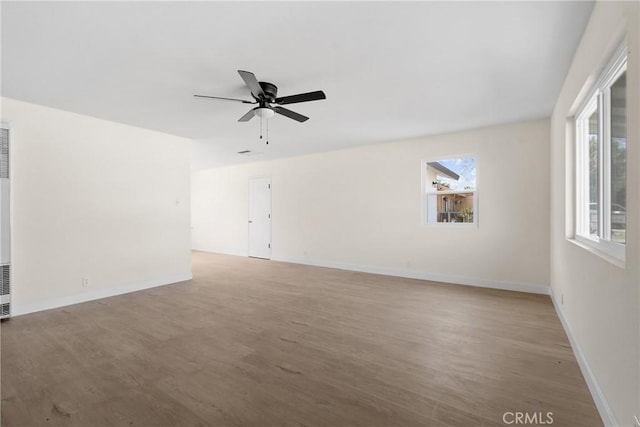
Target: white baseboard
220	250
32	307
608	419
420	275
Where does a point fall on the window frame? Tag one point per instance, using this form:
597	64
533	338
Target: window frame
426	187
599	99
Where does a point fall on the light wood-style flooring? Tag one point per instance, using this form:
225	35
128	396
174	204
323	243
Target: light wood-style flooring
250	342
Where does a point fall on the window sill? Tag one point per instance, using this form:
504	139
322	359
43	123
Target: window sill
451	224
596	249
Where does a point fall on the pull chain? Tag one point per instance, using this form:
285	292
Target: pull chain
260	127
267	131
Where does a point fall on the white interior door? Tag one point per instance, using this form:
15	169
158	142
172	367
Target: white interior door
260	217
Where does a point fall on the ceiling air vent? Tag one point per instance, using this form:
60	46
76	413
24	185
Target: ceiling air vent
249	153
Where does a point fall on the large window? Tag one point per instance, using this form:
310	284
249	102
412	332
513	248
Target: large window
601	162
450	194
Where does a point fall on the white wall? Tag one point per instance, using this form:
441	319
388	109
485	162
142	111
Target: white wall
600	300
361	209
93	199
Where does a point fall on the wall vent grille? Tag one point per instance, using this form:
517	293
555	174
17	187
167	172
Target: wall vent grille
5	280
5	309
4	153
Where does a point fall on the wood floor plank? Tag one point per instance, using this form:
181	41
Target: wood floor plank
251	342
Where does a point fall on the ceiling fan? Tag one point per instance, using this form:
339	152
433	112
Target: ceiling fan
265	95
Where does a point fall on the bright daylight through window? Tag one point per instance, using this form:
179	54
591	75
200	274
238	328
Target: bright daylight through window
450	191
601	162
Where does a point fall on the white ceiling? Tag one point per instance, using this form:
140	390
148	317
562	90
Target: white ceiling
390	70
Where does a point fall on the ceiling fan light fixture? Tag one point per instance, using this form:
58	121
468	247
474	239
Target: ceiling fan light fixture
264	112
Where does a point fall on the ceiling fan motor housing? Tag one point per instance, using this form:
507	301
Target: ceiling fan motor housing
270	91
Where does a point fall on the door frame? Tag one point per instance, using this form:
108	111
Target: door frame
270	213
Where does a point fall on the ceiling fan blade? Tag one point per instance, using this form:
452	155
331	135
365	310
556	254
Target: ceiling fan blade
226	99
301	97
251	81
291	114
247	116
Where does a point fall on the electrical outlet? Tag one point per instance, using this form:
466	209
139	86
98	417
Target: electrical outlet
85	282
